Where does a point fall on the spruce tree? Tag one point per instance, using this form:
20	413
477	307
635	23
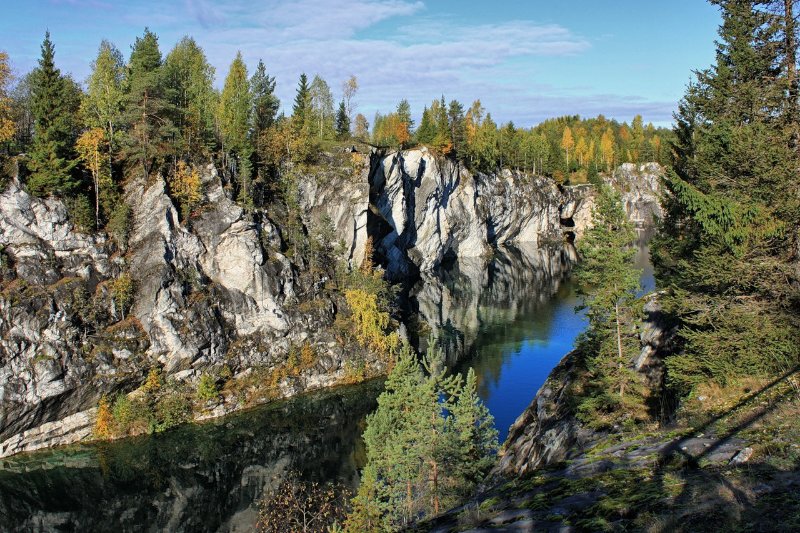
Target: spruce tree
302	103
54	110
455	119
265	102
608	287
732	212
426	133
342	122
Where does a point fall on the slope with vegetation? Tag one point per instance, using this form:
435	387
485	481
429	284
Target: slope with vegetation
693	427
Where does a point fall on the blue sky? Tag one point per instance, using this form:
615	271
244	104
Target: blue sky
525	60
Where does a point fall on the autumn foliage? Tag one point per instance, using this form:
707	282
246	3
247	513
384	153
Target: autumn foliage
187	188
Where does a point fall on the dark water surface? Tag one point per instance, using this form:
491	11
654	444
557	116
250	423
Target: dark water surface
511	317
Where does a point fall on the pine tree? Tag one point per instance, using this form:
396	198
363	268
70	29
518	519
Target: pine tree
147	117
428	443
54	112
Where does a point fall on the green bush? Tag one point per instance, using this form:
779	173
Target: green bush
123	290
172	409
207	388
81	212
119	224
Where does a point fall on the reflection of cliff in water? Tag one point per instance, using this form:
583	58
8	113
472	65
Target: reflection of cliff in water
482	301
196	478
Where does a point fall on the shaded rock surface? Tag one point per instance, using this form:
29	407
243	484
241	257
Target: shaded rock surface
548	432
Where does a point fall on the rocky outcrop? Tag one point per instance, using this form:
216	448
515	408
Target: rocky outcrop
343	197
216	291
431	208
639	187
198	289
548	431
219	290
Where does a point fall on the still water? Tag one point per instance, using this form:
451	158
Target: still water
511	317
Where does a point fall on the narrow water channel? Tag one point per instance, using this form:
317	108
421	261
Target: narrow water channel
511	317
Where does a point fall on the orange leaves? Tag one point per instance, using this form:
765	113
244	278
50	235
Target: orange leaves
105	420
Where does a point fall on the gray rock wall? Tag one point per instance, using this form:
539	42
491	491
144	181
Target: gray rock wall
220	291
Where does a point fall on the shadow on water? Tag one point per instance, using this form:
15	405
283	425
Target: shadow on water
202	477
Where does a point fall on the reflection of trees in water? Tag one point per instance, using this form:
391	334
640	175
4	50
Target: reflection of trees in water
483	309
198	477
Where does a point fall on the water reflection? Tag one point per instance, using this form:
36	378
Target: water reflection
511	317
197	478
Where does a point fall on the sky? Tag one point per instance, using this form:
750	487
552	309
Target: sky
525	60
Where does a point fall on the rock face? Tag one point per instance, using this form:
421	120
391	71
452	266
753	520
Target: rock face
639	186
548	431
215	292
429	209
220	290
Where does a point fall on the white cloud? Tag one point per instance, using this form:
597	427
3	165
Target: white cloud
395	48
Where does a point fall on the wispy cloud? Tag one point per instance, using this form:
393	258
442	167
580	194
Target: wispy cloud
206	14
396	48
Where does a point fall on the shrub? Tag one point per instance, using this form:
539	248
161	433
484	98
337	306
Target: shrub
207	388
173	408
104	424
119	223
122	291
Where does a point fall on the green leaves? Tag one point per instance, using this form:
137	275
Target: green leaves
430	441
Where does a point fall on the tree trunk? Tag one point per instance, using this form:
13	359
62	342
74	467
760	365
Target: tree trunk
408	501
619	350
435	475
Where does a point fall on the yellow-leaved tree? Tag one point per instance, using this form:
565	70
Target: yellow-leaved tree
567	142
92	151
7	128
187	188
